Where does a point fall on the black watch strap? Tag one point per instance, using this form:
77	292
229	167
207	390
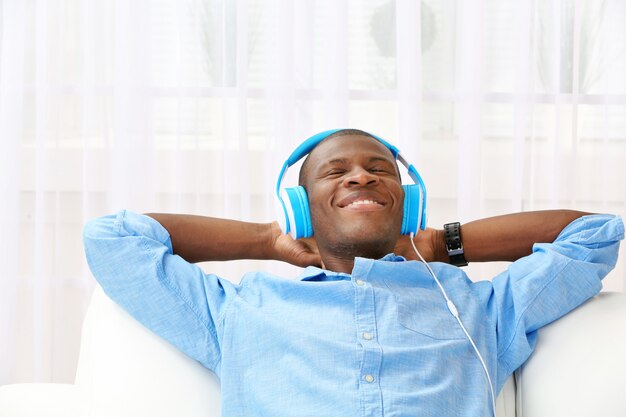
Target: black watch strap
454	245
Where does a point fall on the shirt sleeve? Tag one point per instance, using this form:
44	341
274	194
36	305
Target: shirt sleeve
131	257
556	278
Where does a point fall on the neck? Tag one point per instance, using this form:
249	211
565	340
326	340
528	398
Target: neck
338	264
341	259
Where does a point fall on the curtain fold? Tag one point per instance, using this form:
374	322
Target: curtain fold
192	106
11	125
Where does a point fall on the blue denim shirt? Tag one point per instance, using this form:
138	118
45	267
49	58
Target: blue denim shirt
377	342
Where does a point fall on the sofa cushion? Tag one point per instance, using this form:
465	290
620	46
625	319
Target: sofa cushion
578	368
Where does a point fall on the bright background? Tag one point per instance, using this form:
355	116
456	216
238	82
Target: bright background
193	105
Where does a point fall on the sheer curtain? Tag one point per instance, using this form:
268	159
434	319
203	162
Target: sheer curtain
192	106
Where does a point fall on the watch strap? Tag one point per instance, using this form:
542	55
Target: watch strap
454	245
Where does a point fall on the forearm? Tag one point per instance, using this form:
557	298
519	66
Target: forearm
200	239
508	237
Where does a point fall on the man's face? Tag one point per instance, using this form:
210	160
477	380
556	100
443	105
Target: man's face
355	195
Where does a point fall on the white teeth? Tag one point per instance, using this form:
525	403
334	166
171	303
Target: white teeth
359	202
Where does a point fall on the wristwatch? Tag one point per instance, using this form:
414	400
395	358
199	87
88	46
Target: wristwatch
454	245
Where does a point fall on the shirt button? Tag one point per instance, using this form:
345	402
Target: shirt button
367	336
360	282
369	378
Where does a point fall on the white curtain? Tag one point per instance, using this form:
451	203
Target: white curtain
192	106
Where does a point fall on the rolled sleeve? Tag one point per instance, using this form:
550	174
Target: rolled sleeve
556	278
131	257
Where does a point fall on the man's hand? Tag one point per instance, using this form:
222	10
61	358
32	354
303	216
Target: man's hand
426	241
302	252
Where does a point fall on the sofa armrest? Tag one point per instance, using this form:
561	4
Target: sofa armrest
39	400
125	370
578	368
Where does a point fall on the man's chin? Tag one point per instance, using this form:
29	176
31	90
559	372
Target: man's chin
364	241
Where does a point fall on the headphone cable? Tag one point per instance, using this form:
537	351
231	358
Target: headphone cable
455	313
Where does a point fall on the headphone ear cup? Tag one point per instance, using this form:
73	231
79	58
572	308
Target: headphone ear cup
412	216
298	214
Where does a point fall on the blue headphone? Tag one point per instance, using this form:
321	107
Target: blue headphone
295	203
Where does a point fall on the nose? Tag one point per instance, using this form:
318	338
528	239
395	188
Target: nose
360	177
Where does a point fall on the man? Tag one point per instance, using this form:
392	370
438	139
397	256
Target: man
369	333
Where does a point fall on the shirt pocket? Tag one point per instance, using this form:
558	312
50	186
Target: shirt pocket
423	309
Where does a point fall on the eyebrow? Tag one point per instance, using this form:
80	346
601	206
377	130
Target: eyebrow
337	161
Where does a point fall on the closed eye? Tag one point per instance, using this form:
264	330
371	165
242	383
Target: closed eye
379	170
334	172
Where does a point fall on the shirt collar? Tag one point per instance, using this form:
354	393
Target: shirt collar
313	273
392	257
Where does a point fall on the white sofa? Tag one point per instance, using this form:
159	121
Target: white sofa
578	369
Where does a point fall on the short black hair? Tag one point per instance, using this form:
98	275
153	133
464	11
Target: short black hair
342	132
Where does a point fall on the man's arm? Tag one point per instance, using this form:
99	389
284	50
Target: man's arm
134	259
199	239
501	238
131	257
557	277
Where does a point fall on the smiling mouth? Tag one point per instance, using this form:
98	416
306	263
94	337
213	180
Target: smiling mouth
364	205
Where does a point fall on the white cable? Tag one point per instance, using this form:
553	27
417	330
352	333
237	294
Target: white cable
455	313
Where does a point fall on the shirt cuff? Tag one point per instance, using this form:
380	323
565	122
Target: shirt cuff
129	223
